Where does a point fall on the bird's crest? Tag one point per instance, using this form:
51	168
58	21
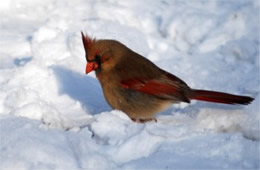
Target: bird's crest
87	41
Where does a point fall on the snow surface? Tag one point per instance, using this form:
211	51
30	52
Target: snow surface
53	116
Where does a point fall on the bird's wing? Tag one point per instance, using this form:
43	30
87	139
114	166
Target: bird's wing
165	87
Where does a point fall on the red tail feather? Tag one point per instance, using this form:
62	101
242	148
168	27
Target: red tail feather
219	97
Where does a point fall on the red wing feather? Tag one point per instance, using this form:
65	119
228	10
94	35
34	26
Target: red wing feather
165	86
150	87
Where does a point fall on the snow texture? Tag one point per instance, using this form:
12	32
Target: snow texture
53	116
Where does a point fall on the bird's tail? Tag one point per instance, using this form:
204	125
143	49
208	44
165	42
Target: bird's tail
219	97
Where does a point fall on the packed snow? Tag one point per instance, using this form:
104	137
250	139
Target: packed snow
53	116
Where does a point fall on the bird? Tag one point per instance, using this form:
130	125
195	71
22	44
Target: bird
136	86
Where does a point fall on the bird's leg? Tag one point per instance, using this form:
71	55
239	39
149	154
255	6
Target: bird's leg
144	120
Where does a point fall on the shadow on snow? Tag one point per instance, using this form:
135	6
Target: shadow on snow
81	88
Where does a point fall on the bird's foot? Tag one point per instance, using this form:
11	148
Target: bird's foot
144	120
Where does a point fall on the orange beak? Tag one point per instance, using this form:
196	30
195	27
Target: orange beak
91	66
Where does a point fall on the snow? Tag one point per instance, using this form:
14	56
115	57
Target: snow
53	116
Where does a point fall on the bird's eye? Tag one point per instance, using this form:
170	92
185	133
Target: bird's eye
98	59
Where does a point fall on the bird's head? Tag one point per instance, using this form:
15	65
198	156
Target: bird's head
100	54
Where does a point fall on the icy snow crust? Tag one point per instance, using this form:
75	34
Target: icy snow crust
53	116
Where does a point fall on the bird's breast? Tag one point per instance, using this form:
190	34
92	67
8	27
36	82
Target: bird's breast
134	103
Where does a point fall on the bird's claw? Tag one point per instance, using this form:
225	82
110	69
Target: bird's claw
144	120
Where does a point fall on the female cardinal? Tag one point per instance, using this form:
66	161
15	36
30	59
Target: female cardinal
133	84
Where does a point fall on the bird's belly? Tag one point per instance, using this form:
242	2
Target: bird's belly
135	104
